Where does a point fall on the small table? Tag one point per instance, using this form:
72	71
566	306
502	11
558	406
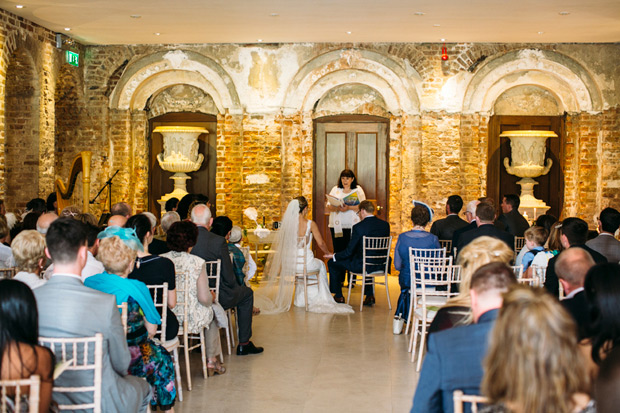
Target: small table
254	242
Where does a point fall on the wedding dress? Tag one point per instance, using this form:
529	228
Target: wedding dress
276	294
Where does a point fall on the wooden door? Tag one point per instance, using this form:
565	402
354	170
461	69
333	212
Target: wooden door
550	187
203	180
358	143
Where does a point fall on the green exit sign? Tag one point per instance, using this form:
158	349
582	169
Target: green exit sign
72	58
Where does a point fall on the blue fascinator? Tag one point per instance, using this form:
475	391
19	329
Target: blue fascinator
430	210
127	235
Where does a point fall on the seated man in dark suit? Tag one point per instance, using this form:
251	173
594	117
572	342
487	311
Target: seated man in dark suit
67	308
352	257
470	216
605	243
485	214
574	234
444	228
571	267
454	357
513	221
211	247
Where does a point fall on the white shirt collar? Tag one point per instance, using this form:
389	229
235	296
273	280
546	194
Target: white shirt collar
573	293
79	277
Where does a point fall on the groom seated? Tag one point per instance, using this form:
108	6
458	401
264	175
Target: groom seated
352	258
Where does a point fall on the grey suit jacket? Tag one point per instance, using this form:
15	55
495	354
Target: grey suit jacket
606	245
67	308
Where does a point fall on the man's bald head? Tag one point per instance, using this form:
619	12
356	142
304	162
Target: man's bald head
44	222
201	215
117	220
572	266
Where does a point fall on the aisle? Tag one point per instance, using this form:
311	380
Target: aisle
314	363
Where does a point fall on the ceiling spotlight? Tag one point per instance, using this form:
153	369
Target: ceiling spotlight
348	32
541	32
135	16
443	40
436	25
19	6
157	34
260	40
274	14
67	29
564	13
419	13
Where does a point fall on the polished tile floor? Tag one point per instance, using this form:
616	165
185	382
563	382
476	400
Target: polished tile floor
314	363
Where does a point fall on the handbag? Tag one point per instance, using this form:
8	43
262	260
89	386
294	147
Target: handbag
398	324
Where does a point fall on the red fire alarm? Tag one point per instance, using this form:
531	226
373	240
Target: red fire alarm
444	52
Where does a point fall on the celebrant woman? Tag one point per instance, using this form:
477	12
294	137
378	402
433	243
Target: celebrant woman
348	195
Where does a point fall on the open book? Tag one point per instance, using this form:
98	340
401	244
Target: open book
352	199
333	201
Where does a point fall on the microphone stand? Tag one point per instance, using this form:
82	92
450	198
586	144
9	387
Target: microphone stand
109	185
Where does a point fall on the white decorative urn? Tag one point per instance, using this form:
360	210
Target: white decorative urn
528	148
180	156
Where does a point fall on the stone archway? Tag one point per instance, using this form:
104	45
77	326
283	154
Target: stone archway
22	97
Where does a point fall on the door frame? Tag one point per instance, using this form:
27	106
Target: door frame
349	118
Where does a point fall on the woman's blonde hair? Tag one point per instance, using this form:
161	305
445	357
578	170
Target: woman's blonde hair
115	256
533	361
28	248
480	251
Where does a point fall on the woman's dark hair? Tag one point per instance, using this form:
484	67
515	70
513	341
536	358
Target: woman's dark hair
171	204
347	173
183	205
303	203
30	220
420	215
221	225
18	312
181	236
546	221
602	289
141	224
49	203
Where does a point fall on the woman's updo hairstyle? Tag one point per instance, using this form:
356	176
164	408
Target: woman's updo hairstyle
303	203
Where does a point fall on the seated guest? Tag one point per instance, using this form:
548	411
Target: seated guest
235	238
485	214
182	237
30	220
154	270
71	211
457	311
607	384
6	255
546	221
574	234
167	220
470	216
67	308
602	288
29	252
222	226
416	238
117	253
211	247
156	246
44	221
20	354
122	209
36	205
513	221
51	203
87	218
605	243
171	204
533	362
93	266
444	228
454	357
535	238
571	267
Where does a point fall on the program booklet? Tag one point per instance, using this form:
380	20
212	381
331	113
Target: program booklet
352	199
333	201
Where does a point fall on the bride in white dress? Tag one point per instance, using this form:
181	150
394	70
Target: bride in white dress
279	277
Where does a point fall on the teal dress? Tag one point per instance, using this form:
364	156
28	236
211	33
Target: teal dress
148	359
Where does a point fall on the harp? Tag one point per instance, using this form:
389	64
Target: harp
81	163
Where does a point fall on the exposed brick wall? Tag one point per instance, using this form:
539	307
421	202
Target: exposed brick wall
610	159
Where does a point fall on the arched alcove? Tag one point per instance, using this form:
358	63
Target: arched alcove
67	109
528	100
22	130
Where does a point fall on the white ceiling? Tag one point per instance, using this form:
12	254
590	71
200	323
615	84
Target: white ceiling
282	21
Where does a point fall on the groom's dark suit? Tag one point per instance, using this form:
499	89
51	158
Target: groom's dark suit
353	256
211	247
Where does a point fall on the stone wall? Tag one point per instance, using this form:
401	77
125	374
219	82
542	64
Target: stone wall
266	98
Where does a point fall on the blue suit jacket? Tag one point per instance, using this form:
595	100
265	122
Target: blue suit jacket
453	362
353	256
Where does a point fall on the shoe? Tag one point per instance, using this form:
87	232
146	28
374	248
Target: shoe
369	301
214	368
339	300
250	348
